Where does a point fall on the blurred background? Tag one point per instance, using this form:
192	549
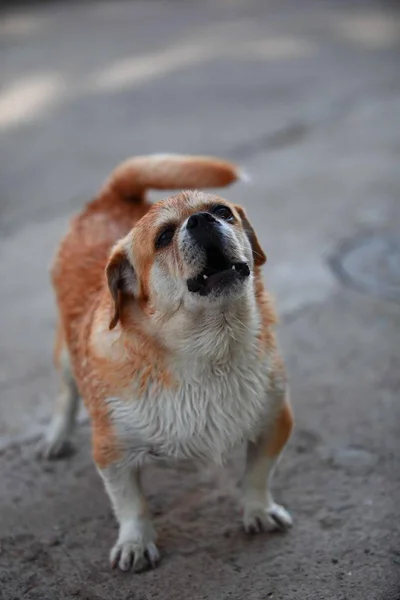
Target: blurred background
305	96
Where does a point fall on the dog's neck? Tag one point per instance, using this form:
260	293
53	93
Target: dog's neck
210	334
213	333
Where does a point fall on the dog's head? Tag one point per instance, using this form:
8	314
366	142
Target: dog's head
189	250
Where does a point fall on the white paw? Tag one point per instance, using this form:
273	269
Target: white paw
134	554
135	548
56	442
52	449
273	517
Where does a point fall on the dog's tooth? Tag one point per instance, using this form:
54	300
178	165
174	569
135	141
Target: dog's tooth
233	267
205	277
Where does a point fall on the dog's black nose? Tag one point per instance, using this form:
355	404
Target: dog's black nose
201	220
205	230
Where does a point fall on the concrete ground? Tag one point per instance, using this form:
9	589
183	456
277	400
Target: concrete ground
305	95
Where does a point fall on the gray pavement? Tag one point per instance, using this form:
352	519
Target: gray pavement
305	96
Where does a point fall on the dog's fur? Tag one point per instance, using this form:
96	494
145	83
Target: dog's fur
166	372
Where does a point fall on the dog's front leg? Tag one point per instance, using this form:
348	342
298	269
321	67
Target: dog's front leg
135	547
260	512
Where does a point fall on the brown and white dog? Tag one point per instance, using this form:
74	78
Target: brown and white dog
167	333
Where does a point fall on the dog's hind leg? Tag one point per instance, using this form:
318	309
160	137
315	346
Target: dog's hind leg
58	433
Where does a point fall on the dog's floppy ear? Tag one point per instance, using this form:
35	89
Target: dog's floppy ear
121	279
259	255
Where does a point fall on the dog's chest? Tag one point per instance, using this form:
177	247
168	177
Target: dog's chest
213	408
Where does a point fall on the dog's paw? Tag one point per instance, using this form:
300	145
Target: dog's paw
272	517
54	449
135	548
135	555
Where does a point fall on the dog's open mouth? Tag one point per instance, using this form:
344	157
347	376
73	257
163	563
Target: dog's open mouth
216	277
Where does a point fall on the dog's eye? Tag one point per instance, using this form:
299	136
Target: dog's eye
165	237
223	212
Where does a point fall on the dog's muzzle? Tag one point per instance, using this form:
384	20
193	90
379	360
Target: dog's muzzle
220	271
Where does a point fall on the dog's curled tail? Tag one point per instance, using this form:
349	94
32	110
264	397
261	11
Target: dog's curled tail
132	178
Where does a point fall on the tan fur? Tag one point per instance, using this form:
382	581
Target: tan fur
110	327
282	431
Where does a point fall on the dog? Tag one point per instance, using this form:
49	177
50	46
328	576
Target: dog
167	332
